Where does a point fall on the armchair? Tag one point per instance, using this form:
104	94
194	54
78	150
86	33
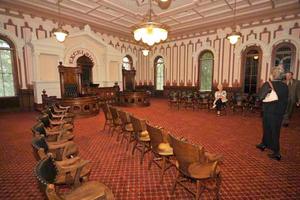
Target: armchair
108	117
51	135
55	125
161	150
46	174
141	136
61	150
117	123
194	165
127	128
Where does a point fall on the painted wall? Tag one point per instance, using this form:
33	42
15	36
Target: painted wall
180	54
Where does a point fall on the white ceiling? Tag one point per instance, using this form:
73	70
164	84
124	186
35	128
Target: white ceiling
119	16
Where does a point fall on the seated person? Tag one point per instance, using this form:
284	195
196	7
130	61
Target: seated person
220	99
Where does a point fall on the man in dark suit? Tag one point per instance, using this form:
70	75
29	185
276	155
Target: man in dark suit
294	97
273	113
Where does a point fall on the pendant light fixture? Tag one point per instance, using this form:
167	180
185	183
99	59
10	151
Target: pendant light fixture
150	32
234	36
60	33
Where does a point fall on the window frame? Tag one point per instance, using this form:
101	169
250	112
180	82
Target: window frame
200	67
155	72
293	53
259	67
14	66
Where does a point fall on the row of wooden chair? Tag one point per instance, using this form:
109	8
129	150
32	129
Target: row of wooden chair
58	158
193	163
236	101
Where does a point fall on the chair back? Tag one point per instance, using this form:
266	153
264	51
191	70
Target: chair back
38	129
138	124
45	120
156	136
186	153
124	116
114	114
107	113
39	147
46	172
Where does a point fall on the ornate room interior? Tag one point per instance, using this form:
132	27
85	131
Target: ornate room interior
116	99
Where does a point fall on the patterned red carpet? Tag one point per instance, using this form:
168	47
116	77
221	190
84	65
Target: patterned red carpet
247	173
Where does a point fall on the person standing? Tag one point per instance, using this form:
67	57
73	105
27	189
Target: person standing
273	113
294	97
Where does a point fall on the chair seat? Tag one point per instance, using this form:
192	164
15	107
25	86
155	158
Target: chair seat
165	149
90	190
202	170
129	127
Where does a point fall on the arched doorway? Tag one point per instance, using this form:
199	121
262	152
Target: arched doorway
206	64
87	73
159	67
252	57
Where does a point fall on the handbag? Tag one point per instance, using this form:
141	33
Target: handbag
272	96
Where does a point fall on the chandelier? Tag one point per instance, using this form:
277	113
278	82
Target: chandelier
150	32
234	36
60	33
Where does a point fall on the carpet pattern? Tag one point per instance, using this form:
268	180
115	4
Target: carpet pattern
247	173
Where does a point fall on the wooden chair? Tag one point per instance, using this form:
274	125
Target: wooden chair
46	174
189	100
193	165
58	117
161	150
51	135
55	125
61	150
117	123
204	101
127	128
141	136
239	102
108	117
174	99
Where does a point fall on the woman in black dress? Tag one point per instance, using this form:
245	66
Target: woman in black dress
273	113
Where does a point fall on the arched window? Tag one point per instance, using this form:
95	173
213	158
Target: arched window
206	63
7	86
252	65
159	73
127	62
284	54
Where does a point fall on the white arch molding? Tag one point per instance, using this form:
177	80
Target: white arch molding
151	63
266	56
196	57
287	39
19	44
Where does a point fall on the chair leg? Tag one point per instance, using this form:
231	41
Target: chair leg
150	162
198	189
218	185
175	182
143	153
133	149
104	125
163	168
